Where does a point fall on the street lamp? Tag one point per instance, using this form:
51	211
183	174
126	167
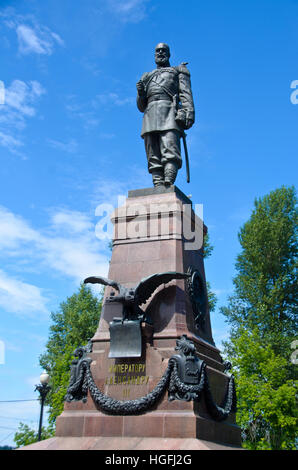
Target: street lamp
43	389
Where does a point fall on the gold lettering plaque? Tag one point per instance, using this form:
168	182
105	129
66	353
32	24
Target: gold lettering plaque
127	374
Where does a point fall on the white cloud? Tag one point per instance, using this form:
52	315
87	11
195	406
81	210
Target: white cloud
14	230
114	192
57	38
114	99
30	42
10	142
37	88
69	147
128	11
32	37
21	96
19	105
71	221
67	246
71	247
92	111
109	191
75	258
17	96
20	297
38	40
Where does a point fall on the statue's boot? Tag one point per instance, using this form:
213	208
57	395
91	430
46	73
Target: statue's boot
158	178
170	173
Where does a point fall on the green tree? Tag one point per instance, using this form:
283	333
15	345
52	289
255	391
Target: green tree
207	251
72	326
262	314
25	435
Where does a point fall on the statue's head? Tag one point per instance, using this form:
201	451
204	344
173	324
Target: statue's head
162	54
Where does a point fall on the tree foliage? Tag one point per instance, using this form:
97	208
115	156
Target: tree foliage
26	435
262	313
72	326
207	250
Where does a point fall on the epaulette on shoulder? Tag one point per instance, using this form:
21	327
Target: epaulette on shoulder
183	69
145	75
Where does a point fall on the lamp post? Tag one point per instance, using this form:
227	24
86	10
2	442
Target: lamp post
43	389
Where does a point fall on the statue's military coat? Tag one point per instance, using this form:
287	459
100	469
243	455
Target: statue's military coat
166	90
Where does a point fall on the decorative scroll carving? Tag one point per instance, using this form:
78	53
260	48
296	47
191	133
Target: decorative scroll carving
188	372
77	389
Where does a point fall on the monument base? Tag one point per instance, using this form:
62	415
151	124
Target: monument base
176	309
125	443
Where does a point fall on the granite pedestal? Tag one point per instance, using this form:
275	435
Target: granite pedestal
152	234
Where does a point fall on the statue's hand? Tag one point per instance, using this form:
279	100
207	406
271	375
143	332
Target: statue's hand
141	88
181	118
188	123
184	121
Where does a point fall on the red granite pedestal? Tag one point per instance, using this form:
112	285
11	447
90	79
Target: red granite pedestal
152	235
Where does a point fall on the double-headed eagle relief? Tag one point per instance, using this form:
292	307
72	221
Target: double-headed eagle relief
133	297
165	97
125	332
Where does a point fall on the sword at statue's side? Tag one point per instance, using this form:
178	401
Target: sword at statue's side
186	157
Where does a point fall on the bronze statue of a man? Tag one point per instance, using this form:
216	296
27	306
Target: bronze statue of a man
165	97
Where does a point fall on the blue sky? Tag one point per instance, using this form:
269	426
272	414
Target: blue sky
70	133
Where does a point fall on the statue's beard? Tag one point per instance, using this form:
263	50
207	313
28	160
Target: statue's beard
162	60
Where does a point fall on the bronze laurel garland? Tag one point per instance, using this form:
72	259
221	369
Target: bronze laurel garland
220	413
130	407
170	381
